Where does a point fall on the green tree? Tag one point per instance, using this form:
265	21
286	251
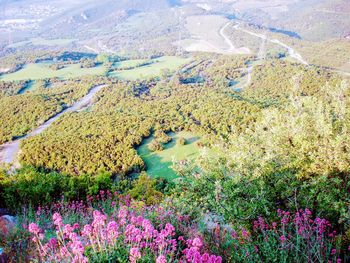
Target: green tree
144	188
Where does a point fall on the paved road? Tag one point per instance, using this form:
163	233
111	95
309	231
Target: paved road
9	151
232	48
292	53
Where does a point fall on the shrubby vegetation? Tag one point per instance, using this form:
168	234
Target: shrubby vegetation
35	187
22	113
181	141
162	137
155	146
129	231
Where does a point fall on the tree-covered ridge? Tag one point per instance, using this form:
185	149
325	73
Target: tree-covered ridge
23	112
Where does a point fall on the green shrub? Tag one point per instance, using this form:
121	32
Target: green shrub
155	146
238	198
162	137
144	189
181	141
29	186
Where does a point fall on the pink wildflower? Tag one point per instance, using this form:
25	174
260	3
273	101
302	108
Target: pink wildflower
87	230
283	239
161	259
197	242
134	254
57	219
34	228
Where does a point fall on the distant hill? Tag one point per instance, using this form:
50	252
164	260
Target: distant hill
126	26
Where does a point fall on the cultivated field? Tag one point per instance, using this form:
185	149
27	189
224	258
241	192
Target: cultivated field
42	71
43	42
170	63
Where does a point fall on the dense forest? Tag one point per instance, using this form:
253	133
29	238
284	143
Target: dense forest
123	115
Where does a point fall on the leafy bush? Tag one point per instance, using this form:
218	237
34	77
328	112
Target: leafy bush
29	186
308	135
144	189
155	146
162	137
181	141
219	191
33	187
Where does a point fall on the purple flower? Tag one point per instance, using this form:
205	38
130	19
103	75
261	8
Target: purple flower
245	234
53	243
87	230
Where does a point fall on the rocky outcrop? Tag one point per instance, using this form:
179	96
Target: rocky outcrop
7	224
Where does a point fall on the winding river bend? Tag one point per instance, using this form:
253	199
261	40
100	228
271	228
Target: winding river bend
9	151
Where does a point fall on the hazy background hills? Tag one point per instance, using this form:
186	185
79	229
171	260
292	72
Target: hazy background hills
124	26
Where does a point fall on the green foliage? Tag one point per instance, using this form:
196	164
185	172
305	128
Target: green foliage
28	186
144	188
240	198
162	137
34	187
308	135
105	136
197	193
181	141
78	187
11	88
155	146
87	63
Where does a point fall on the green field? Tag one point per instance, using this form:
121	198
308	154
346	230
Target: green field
159	163
170	63
128	63
43	42
42	71
35	71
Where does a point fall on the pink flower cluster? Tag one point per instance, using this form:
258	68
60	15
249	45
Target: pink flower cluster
291	234
192	253
66	247
128	233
